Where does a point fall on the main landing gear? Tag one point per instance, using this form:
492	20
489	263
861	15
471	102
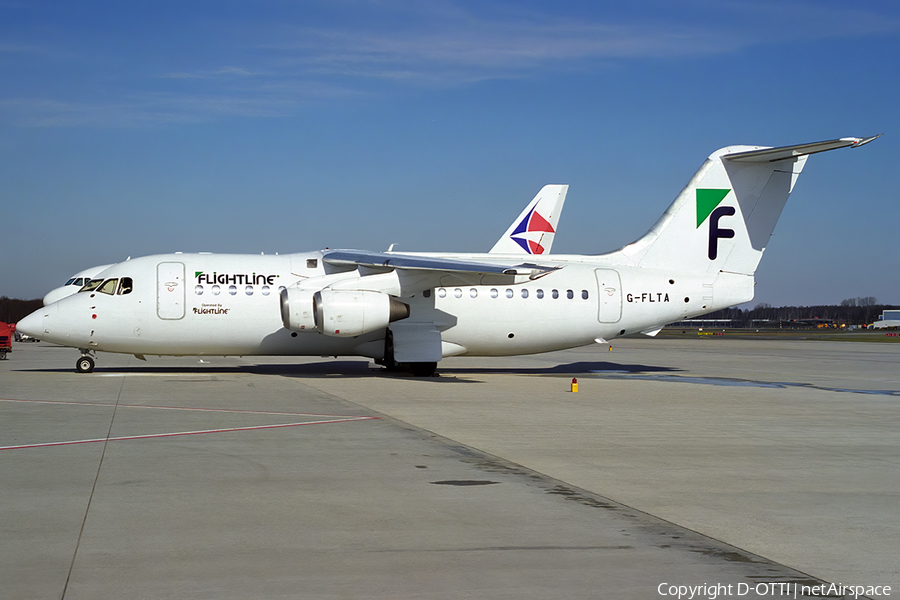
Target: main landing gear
419	369
423	369
85	364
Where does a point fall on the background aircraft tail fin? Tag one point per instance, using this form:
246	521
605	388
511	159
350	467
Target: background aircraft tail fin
533	231
722	220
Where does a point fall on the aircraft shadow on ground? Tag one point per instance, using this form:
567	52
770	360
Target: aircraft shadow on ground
349	368
359	369
575	368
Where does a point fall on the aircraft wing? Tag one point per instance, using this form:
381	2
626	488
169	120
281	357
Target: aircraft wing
418	262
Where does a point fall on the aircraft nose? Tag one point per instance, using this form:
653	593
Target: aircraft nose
33	324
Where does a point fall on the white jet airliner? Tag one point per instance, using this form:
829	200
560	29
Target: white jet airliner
416	308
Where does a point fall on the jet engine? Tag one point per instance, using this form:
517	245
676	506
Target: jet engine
341	313
297	310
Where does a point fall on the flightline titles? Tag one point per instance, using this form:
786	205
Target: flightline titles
235	278
782	589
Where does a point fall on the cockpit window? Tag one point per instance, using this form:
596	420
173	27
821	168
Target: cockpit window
126	286
109	286
91	285
71	281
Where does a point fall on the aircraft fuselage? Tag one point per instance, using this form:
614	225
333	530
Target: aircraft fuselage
220	304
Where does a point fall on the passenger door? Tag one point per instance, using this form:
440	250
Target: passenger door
609	288
170	290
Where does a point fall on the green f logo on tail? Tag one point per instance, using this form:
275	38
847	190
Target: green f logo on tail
708	206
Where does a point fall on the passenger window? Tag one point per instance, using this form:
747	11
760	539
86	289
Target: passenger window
584	294
442	293
540	294
312	263
555	294
198	290
570	294
215	290
524	293
473	293
509	293
248	290
109	286
457	293
127	286
232	290
265	290
494	293
426	293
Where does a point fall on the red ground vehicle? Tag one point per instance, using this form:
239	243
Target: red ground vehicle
6	337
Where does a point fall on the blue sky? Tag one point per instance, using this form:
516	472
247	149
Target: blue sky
134	128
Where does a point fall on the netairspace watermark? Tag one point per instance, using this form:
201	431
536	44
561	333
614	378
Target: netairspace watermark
785	589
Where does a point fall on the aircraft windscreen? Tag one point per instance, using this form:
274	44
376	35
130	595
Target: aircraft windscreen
91	285
109	286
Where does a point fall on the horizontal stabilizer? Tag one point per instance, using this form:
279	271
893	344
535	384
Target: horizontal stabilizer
785	152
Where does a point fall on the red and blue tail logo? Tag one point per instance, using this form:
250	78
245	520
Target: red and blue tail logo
530	232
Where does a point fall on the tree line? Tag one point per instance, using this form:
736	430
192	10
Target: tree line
13	310
852	311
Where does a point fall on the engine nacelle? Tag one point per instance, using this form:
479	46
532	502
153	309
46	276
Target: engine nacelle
297	310
348	313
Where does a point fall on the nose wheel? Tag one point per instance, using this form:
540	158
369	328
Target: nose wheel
85	364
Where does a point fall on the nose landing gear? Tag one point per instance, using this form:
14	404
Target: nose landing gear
85	364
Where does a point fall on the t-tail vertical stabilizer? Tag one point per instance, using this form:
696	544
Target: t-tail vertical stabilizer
722	220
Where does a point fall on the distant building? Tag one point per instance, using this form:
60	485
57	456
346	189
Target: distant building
889	318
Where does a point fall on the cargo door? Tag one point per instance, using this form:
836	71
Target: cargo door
170	290
609	292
